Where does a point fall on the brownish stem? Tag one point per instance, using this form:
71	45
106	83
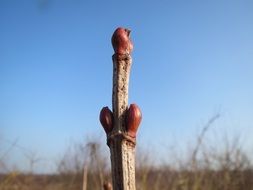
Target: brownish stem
122	146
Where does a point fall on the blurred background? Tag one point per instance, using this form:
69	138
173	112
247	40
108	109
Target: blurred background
191	76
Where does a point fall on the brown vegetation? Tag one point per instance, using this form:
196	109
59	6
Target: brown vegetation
84	166
228	170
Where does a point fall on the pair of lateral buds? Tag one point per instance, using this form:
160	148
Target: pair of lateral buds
132	118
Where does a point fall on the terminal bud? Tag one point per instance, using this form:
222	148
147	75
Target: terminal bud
121	41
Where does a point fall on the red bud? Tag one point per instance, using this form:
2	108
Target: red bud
121	41
133	119
106	119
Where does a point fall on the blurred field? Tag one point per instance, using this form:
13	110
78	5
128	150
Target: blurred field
149	179
205	167
229	170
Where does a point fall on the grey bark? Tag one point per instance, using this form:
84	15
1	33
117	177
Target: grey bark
122	147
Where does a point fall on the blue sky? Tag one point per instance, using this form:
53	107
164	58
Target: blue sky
191	59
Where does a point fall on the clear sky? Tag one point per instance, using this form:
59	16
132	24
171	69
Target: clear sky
191	59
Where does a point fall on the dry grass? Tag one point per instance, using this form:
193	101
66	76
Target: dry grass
227	170
85	166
